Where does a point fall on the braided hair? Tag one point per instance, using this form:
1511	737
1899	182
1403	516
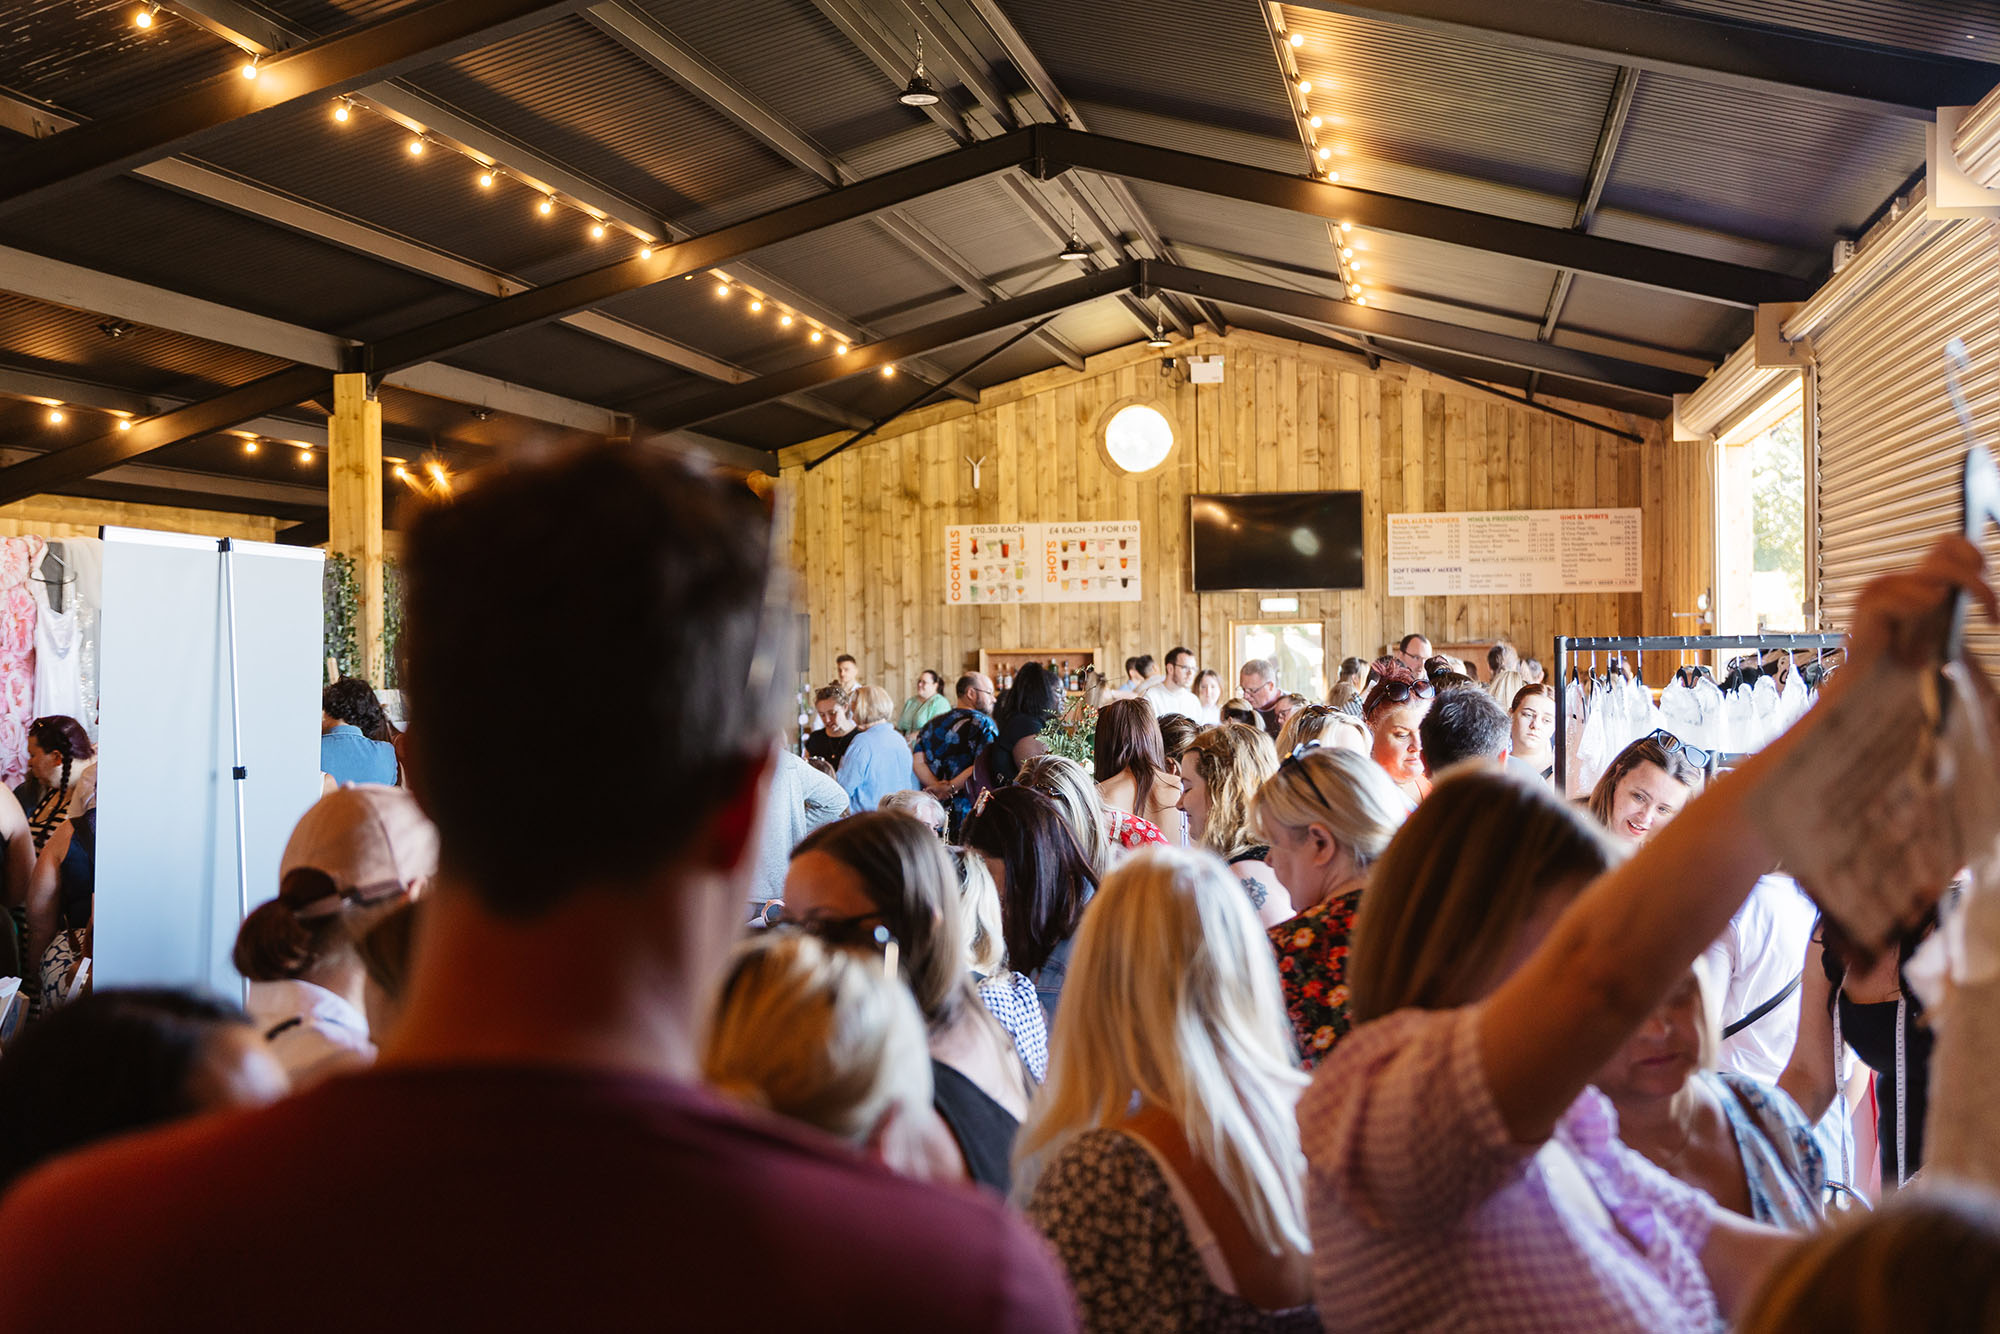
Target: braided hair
57	734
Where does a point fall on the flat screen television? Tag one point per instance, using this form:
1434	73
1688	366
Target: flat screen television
1278	539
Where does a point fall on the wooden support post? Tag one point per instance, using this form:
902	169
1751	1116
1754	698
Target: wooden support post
354	504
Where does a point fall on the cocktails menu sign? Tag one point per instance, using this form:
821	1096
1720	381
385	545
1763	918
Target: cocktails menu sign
1514	551
997	563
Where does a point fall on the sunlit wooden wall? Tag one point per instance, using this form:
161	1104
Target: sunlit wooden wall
868	527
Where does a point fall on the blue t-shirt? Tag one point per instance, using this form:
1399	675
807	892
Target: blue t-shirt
352	758
877	763
950	743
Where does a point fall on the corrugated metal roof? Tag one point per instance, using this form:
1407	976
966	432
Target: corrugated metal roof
564	361
88	57
60	340
1677	323
1450	105
1786	170
1969	28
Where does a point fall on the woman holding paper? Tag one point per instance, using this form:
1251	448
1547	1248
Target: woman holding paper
1463	1176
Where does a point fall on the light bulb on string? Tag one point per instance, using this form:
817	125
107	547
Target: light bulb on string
1325	154
888	372
597	231
144	18
646	252
1317	121
249	446
1346	227
57	417
1333	176
818	337
1347	252
416	146
840	348
1360	300
249	70
124	423
1354	289
1305	86
546	207
722	289
342	112
305	456
784	321
487	178
1297	39
756	306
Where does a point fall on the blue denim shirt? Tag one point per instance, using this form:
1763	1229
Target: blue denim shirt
352	758
877	763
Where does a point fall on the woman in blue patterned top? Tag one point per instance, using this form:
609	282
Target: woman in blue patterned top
1745	1143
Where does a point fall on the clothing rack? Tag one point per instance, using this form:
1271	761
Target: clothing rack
1566	645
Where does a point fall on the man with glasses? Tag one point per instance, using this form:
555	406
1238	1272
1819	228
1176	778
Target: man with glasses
949	744
1258	684
1171	694
529	1156
1413	653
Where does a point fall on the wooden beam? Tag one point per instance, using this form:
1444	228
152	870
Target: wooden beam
354	505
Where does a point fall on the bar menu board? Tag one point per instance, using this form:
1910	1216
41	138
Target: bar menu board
1514	551
998	563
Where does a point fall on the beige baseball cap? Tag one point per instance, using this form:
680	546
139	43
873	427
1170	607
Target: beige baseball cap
369	840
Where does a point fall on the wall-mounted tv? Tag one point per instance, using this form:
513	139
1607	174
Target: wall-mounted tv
1278	539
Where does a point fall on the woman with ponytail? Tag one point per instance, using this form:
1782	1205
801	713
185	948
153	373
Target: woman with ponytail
358	854
62	769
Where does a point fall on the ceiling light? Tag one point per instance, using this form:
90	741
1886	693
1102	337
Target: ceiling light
249	71
1346	227
546	207
1298	39
1360	300
144	18
417	146
402	472
1317	121
841	348
1333	176
124	424
784	321
919	91
1159	338
305	456
722	289
341	111
249	446
888	372
1357	266
56	417
1305	86
756	306
597	231
1325	153
646	252
1347	252
1354	289
817	336
486	179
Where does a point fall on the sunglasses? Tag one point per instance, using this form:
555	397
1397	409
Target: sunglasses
863	931
1402	692
1670	743
1296	760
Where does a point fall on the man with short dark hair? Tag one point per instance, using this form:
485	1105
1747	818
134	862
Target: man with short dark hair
1463	725
1502	657
846	677
949	744
1258	681
1413	653
1171	694
533	1151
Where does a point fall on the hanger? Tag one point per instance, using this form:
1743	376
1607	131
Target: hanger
55	586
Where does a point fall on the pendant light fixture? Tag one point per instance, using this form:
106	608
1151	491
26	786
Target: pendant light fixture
1074	249
1159	338
919	91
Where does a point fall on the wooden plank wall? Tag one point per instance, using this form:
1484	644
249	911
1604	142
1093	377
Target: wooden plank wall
64	516
868	527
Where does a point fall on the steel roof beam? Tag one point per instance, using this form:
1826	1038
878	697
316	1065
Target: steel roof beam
405	40
1730	284
1759	56
1616	114
641	34
871	356
1375	322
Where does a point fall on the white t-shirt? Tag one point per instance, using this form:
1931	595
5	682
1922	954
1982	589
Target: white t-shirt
1760	952
1165	700
314	1033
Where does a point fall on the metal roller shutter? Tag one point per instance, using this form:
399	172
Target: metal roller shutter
1889	445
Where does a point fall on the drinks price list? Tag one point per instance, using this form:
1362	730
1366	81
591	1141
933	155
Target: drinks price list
1514	551
990	564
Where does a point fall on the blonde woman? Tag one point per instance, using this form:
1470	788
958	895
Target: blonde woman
1008	995
1327	816
1323	725
825	1037
1163	1160
879	877
1220	772
877	759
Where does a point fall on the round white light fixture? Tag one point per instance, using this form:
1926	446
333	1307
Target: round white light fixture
1138	437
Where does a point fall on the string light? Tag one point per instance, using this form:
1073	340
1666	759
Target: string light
1325	153
817	336
1333	176
402	472
417	146
1346	227
756	306
888	372
249	70
124	423
1305	86
1297	39
840	348
486	179
784	321
646	252
1347	252
1354	289
722	289
305	456
57	417
1360	300
144	18
597	231
249	446
546	207
1316	122
341	111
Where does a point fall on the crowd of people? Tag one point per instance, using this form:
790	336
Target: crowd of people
1275	1014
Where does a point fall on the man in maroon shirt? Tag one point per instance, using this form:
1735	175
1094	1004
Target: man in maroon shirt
531	1151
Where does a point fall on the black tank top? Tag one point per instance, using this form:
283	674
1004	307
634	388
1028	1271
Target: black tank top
983	1128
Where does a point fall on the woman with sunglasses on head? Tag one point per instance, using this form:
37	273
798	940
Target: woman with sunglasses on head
1326	815
1221	771
1394	711
1463	1174
1044	877
1646	786
880	880
1162	1161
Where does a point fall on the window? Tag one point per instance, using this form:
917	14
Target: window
1137	437
1761	499
1298	648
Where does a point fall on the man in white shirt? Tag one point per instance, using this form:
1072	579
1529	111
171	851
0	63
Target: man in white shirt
1172	694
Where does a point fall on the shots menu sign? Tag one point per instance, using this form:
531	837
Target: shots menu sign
989	564
1514	551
